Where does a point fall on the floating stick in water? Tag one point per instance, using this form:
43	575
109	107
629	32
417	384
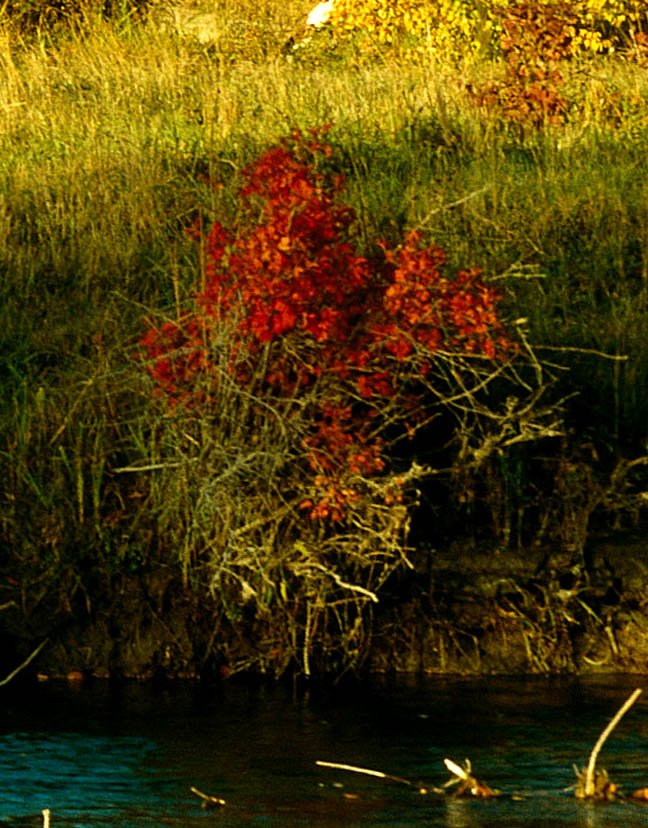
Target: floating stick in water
589	788
468	785
207	800
366	772
457	770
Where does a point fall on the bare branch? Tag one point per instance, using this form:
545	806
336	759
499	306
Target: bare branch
27	661
590	786
365	771
300	569
575	350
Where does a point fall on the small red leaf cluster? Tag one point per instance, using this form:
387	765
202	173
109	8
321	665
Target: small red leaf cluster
297	298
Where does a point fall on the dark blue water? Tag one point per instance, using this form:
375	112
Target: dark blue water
101	755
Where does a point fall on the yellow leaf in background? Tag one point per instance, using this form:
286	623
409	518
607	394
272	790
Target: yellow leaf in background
460	27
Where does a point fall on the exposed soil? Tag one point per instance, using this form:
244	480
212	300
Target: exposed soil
540	612
501	613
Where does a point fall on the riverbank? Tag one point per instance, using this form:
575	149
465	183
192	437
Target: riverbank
532	613
471	615
144	539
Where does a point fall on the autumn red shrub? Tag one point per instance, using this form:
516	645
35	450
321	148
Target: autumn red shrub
291	388
297	298
536	39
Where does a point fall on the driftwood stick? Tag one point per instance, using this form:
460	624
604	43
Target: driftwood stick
366	772
468	785
29	659
208	801
458	771
590	783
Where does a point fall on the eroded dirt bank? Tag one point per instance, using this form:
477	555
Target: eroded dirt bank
469	613
544	612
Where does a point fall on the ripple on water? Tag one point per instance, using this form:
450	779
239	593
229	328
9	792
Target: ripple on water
70	772
100	759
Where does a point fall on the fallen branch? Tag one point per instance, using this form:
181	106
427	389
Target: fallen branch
468	784
27	661
378	774
595	785
366	772
207	800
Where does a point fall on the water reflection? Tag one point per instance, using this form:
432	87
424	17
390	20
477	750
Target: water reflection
127	756
460	814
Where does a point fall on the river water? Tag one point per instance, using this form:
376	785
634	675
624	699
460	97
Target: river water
100	754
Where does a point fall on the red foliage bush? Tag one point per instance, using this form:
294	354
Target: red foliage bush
536	39
303	307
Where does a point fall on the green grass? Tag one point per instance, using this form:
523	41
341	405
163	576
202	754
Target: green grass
113	138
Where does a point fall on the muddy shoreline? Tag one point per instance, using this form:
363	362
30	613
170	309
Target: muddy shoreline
505	613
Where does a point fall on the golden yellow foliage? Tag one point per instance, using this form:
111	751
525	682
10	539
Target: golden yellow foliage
457	26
